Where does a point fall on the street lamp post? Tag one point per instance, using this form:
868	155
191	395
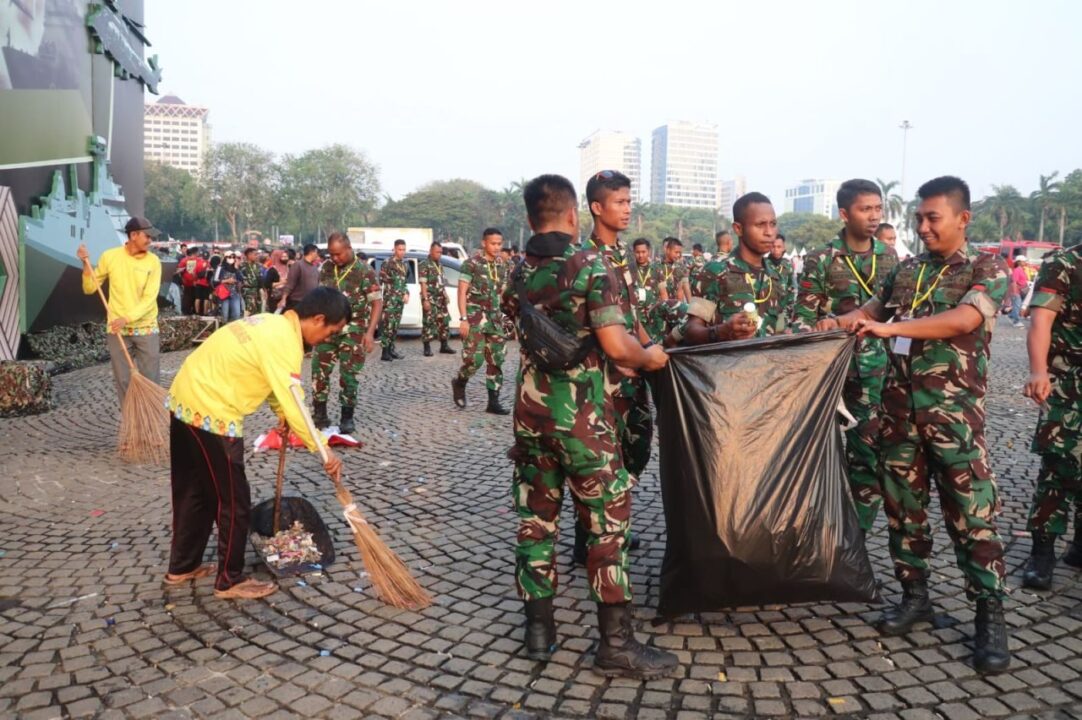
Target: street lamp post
905	127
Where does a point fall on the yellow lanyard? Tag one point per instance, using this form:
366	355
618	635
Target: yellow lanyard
755	290
918	300
644	277
856	273
338	280
492	271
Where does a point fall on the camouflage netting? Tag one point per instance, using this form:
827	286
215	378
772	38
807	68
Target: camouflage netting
25	388
70	347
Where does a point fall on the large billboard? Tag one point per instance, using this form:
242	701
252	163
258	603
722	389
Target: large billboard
72	80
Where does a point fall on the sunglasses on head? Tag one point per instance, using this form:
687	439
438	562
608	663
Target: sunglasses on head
605	175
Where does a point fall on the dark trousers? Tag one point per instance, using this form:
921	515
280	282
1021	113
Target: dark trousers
209	486
187	301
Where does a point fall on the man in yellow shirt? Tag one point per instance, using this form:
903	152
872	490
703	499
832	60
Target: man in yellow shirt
240	366
134	276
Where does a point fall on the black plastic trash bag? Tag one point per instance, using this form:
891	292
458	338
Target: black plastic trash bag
294	509
753	476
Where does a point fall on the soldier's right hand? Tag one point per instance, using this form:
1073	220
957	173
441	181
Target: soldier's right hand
827	324
1039	387
656	358
463	329
82	253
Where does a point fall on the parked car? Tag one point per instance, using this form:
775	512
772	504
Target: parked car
412	315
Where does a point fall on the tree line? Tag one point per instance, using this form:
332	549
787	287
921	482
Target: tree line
243	188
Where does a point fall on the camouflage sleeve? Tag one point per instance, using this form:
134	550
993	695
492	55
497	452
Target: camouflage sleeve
1052	286
602	296
374	290
989	286
709	282
703	309
509	301
385	274
812	302
468	270
326	274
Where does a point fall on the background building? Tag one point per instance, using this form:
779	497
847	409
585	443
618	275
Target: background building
175	133
728	192
684	164
611	150
814	196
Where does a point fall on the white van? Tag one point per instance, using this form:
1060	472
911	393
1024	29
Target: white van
412	315
373	239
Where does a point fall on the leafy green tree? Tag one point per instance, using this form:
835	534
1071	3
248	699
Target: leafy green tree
241	180
893	205
1044	198
809	231
456	210
176	203
330	188
1008	207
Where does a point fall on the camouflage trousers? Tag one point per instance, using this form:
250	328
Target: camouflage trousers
253	303
956	455
437	321
347	350
602	498
635	428
392	316
1058	441
481	349
863	398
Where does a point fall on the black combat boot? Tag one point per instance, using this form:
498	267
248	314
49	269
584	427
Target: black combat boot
916	606
319	414
345	424
494	406
428	348
445	348
620	654
386	354
578	554
458	391
1073	556
394	352
540	629
1042	562
990	651
632	541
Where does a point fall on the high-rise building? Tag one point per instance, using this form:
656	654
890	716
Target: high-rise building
728	192
684	165
816	196
611	150
175	133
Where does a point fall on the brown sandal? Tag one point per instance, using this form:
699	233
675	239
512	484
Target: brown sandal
247	590
204	570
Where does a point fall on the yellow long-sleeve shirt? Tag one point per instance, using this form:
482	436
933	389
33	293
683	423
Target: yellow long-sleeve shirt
133	288
235	370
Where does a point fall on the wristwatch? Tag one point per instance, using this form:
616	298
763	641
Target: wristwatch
463	319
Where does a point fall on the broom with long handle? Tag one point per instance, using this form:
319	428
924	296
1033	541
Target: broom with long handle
143	436
390	576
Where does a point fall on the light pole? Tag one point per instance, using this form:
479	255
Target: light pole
905	127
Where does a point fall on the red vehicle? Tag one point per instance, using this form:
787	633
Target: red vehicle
1033	250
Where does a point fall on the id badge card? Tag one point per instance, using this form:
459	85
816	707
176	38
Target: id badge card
901	345
641	293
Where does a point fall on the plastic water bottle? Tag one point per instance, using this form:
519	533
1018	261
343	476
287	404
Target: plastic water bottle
753	315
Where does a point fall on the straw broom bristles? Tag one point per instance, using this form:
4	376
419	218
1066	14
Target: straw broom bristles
143	435
391	578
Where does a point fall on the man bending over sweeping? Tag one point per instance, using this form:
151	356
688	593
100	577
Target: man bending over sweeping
228	377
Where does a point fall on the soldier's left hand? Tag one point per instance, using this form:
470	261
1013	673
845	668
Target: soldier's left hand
369	343
1039	387
864	327
826	324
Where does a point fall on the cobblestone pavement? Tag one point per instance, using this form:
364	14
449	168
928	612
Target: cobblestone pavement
87	629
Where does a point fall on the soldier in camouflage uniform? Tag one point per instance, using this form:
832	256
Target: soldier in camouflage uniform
392	279
675	270
734	285
944	304
251	273
565	431
698	262
649	290
353	277
437	316
784	268
1055	357
838	279
724	241
481	282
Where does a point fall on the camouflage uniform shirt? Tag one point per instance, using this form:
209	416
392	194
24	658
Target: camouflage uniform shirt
432	278
649	279
938	380
673	273
830	286
487	279
392	278
619	261
732	283
358	283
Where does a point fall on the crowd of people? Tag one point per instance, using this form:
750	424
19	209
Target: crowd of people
591	316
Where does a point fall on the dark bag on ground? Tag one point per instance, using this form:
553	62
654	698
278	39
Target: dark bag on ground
294	509
550	347
753	476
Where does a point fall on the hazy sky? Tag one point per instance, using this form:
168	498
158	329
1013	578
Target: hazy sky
496	91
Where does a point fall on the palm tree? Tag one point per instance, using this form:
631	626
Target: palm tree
892	201
1044	197
1006	205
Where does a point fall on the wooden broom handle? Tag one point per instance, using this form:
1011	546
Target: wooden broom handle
284	439
317	437
108	330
